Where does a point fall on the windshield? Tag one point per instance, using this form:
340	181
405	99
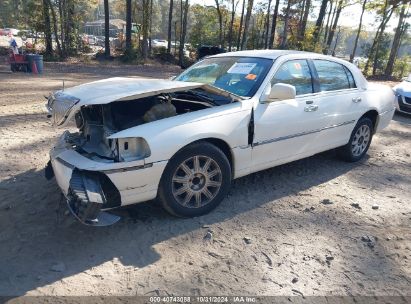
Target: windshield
239	75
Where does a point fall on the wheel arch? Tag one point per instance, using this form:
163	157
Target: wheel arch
219	143
373	116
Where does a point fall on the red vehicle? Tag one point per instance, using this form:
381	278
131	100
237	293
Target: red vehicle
18	63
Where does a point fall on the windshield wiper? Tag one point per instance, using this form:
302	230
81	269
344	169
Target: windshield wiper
202	96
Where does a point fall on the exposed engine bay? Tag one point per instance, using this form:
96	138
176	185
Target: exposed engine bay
97	122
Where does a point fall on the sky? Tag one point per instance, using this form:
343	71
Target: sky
350	16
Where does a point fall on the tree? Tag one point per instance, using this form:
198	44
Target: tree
247	23
234	5
106	29
304	19
397	39
55	28
284	38
47	28
357	37
145	27
170	24
274	24
385	10
183	35
320	20
241	26
267	25
220	22
330	38
128	26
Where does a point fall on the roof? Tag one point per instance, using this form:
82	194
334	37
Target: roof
270	54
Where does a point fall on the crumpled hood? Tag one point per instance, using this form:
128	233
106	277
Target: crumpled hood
404	88
125	88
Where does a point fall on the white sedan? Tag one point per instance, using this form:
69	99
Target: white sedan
403	96
183	141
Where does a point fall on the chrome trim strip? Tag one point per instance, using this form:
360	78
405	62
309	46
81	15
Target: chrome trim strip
269	141
108	171
385	112
125	169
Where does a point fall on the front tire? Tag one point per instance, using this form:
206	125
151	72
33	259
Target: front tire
359	142
195	180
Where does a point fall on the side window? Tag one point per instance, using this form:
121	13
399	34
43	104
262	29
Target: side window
332	75
350	78
296	73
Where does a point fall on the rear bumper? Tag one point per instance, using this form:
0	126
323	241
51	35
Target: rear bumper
91	187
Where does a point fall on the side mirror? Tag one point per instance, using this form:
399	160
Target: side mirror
279	91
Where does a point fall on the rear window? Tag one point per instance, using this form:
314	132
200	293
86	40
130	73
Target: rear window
332	76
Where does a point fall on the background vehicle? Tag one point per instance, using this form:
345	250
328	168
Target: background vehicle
227	116
403	96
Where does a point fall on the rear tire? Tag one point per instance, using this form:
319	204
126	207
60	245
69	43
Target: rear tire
359	142
195	180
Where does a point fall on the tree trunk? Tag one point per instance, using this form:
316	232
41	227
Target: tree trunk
396	42
267	25
150	27
357	37
241	26
336	41
62	30
247	23
128	26
303	24
106	29
183	36
285	30
170	25
230	33
274	24
319	21
47	28
55	28
327	26
380	37
145	26
220	23
376	38
334	27
70	27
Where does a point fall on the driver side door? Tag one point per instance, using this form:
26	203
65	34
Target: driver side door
285	130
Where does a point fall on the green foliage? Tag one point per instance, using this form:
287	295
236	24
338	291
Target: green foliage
130	55
204	30
402	67
382	53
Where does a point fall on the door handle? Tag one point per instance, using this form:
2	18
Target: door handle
311	108
356	99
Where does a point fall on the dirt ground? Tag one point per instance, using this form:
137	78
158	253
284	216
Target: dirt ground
311	227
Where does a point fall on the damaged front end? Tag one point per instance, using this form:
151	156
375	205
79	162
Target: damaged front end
97	170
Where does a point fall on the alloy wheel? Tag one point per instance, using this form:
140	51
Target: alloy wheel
196	181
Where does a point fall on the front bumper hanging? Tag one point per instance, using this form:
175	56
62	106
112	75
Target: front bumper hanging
85	198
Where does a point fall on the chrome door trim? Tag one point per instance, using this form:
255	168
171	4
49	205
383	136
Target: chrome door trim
269	141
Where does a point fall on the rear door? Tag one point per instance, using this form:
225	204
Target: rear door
339	100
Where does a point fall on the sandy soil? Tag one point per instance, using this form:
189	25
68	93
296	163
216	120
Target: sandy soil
308	227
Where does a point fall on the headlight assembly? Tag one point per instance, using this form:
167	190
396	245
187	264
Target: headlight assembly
59	106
